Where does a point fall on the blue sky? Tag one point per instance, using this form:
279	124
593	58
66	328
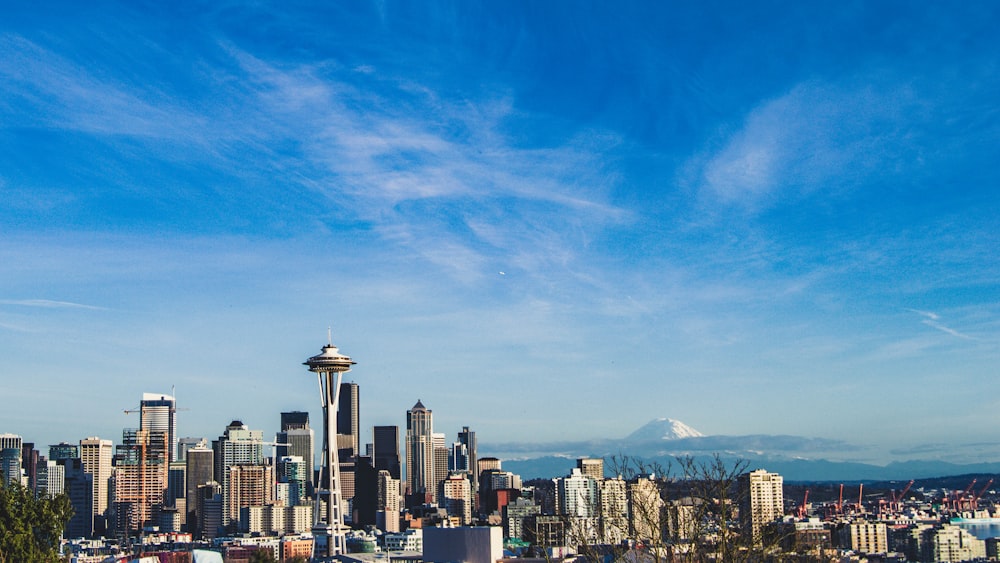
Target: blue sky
546	220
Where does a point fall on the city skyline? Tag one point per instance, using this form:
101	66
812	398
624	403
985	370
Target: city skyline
758	219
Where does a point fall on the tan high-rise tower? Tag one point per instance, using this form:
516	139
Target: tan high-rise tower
95	457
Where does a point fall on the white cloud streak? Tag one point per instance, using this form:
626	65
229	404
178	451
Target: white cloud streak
48	304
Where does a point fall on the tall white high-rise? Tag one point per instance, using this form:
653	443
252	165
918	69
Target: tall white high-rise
158	413
761	500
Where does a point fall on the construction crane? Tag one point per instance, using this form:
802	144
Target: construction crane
974	503
961	497
802	509
897	500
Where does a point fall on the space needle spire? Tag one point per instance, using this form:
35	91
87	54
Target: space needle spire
328	521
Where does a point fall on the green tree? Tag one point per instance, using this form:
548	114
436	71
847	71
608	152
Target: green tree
31	528
262	556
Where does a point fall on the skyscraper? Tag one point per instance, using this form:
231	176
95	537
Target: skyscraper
237	446
140	478
10	466
591	467
386	448
419	454
455	496
440	465
62	450
348	427
301	440
761	500
200	471
158	413
95	456
468	439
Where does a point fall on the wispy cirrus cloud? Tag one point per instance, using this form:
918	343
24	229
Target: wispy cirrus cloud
452	184
932	320
817	136
64	94
49	304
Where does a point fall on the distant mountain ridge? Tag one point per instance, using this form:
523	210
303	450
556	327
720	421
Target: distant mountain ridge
797	458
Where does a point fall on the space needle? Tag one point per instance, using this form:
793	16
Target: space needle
328	523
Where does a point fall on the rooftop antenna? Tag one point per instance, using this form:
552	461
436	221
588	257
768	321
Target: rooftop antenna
329	336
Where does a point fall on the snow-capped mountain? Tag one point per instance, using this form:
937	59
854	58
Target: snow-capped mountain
663	429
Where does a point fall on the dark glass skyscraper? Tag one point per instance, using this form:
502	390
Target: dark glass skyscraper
386	449
348	426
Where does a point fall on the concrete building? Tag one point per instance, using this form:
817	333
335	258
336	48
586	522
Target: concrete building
55	478
576	495
466	544
613	510
388	504
249	485
644	509
410	540
865	537
950	543
140	478
515	514
591	467
237	446
276	520
455	494
96	455
761	501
